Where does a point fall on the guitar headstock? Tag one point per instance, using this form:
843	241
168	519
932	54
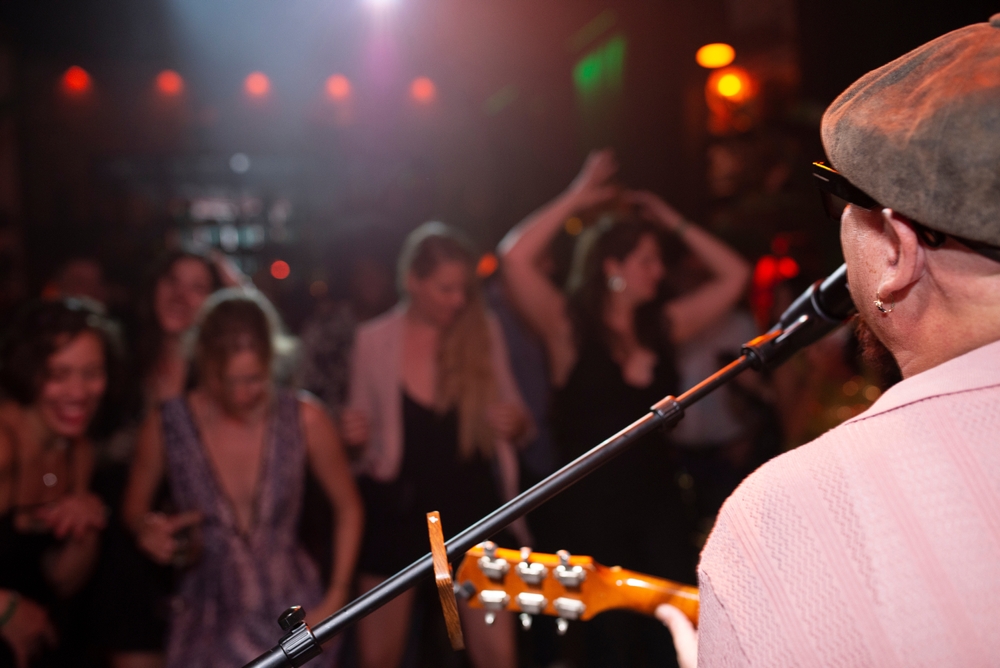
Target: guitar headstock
562	585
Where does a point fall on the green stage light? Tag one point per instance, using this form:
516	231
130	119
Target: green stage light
601	69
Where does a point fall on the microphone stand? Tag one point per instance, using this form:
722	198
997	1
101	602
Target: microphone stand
819	310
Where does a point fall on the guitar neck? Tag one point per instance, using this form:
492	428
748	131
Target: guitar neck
643	593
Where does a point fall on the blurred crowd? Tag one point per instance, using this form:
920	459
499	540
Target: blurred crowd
177	469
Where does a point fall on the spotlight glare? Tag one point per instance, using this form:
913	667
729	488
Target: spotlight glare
423	90
338	87
715	55
257	84
169	83
280	270
75	80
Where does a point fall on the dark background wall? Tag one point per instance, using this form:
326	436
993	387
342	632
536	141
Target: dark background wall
113	173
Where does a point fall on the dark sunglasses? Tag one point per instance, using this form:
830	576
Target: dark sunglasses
837	192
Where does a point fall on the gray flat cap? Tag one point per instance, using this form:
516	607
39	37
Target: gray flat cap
922	134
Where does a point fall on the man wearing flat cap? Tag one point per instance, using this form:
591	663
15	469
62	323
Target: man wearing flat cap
878	544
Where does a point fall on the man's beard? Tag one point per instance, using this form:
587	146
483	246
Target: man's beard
873	351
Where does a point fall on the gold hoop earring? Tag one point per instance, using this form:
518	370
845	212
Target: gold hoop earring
880	305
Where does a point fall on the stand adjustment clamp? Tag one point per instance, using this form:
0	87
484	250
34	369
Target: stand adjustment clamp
668	410
299	644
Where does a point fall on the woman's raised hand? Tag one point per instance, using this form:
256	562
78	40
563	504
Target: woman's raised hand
652	207
591	186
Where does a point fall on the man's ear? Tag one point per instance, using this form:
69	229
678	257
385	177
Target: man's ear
907	258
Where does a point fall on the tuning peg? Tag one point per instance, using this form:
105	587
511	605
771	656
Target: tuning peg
568	576
494	600
493	568
525	621
532	574
567	609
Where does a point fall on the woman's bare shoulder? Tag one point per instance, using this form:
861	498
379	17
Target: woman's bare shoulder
312	412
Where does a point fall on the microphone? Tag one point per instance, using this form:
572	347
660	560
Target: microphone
823	307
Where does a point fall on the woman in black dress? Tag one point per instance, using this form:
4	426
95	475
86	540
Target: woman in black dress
435	411
610	348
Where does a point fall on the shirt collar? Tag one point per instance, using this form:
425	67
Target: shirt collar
975	369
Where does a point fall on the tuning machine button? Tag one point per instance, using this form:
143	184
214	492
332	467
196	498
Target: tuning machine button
531	573
531	603
567	609
492	567
568	576
494	600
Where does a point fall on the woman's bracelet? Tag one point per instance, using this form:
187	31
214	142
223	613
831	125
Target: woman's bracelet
8	614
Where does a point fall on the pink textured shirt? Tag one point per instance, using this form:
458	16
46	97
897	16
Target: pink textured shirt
878	544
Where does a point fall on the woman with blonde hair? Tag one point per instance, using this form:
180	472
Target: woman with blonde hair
234	451
434	408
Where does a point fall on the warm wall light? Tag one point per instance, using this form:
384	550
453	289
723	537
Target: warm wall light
732	83
729	85
76	81
169	83
423	90
715	55
338	87
280	269
257	84
573	226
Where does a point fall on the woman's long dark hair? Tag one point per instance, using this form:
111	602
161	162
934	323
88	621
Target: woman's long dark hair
588	285
149	339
